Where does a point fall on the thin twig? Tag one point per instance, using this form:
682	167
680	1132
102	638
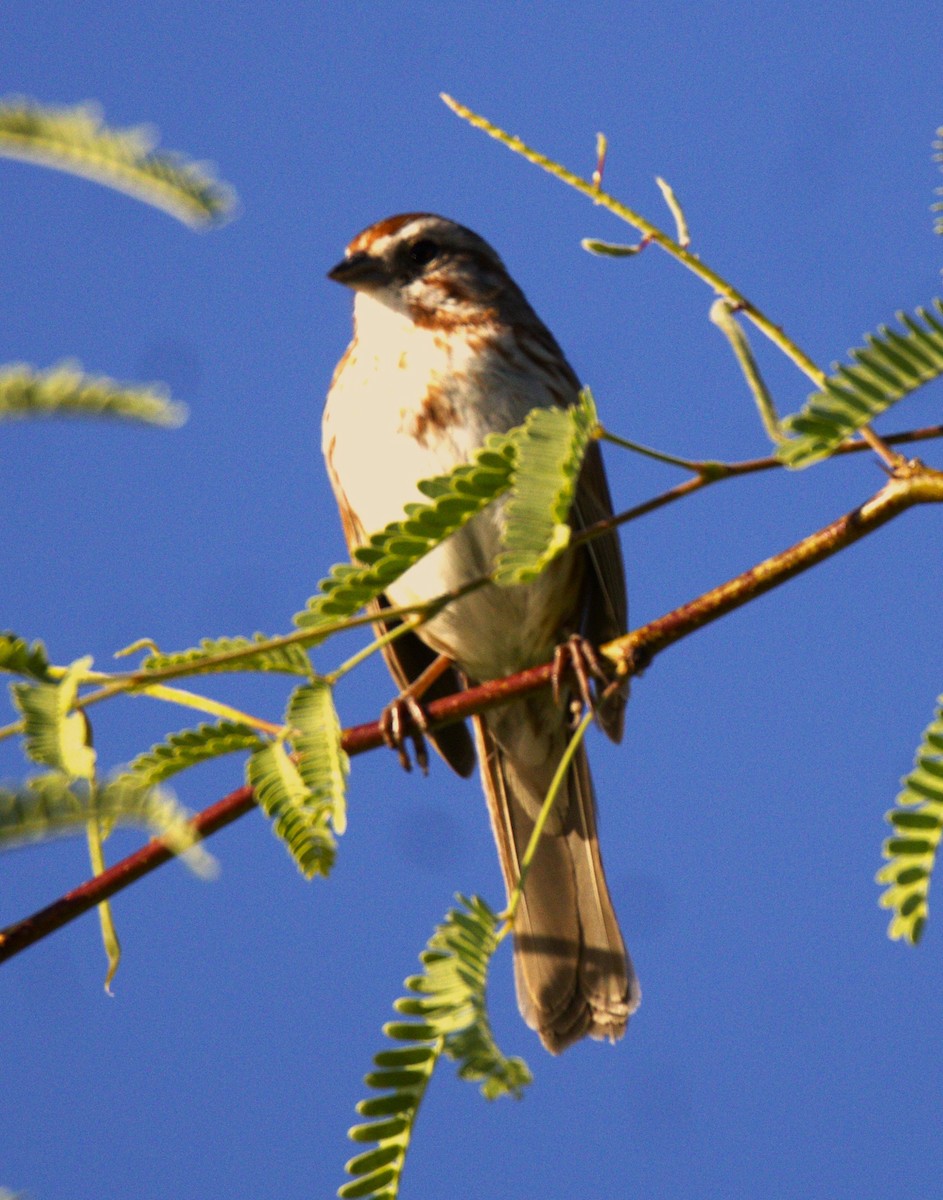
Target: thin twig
651	234
714	472
129	870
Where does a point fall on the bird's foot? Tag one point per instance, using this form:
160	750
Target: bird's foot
593	683
401	722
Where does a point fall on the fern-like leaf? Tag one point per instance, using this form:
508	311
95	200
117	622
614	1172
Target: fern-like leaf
454	989
448	1003
51	806
550	448
20	658
322	762
185	749
891	366
454	500
55	734
917	822
215	655
300	818
76	140
65	390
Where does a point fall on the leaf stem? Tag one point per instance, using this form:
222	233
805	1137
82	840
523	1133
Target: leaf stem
723	317
399	630
671	460
203	704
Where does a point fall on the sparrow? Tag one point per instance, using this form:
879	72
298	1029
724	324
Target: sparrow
446	350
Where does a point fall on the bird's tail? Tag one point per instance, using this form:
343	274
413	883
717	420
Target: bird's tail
574	976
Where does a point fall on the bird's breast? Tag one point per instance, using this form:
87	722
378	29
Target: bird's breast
408	404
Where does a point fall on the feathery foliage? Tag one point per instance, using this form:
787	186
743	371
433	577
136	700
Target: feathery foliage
322	762
448	1003
306	803
77	140
550	449
65	391
50	806
233	654
917	822
20	658
891	366
297	819
455	499
185	749
56	735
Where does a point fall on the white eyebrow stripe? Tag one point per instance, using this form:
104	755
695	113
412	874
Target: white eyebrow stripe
378	238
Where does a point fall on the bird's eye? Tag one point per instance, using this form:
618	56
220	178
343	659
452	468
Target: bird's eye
423	252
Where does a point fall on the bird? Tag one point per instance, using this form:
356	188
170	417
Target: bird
446	350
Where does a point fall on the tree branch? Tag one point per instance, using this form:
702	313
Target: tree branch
129	870
704	474
913	484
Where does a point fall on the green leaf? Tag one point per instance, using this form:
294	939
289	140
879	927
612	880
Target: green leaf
455	499
77	141
550	447
51	806
682	235
215	655
451	996
891	366
722	313
911	859
185	749
56	735
110	940
66	391
20	658
321	759
456	971
609	249
96	834
300	818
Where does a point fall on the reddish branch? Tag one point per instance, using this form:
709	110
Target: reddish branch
230	808
913	484
24	933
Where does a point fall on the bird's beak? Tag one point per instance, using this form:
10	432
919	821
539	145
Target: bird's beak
361	271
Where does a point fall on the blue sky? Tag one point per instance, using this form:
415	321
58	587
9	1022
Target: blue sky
784	1046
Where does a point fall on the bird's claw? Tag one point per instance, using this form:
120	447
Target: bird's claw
403	721
576	659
